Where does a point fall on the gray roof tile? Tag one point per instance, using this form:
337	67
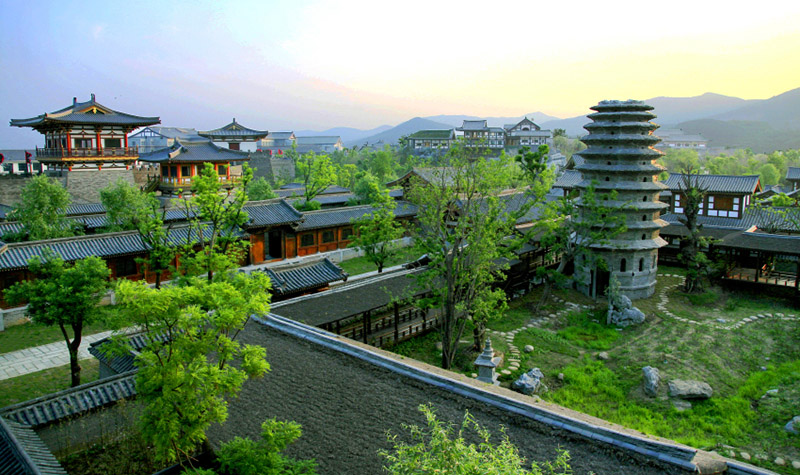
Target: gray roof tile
273	212
194	151
80	399
298	278
793	173
75	114
747	184
342	216
234	129
22	452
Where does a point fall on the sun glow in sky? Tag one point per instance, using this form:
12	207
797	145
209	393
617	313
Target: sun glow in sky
320	64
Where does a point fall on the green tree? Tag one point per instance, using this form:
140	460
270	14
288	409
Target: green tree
122	201
570	226
375	232
186	374
367	189
65	296
568	146
692	245
559	133
216	223
248	457
462	226
676	159
438	448
260	189
317	173
769	174
42	209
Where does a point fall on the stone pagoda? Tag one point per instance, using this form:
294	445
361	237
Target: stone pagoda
620	157
234	134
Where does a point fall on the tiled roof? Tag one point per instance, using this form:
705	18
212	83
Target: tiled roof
273	212
329	200
793	173
440	134
298	278
280	135
473	125
291	186
234	130
194	151
718	227
89	208
80	399
348	300
169	132
756	241
22	452
123	364
341	216
318	140
299	190
16	255
747	184
80	113
568	180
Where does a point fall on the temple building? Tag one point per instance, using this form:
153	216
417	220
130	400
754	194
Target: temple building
151	139
86	135
526	133
181	162
234	134
620	157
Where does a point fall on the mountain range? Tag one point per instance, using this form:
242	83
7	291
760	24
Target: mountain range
761	124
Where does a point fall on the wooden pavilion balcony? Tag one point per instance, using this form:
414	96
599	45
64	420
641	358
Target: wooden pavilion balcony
760	276
86	154
171	183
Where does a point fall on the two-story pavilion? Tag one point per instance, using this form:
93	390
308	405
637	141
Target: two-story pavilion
86	134
181	162
234	134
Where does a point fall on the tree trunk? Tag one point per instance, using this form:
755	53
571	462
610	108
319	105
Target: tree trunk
479	336
74	366
158	280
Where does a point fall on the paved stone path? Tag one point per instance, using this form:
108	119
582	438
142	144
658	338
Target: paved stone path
38	358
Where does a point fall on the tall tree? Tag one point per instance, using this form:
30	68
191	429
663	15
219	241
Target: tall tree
217	218
65	296
260	189
318	173
692	245
186	374
375	232
462	225
42	209
122	201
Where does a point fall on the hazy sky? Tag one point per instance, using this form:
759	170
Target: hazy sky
319	64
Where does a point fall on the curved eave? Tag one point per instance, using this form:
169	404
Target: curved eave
622	185
613	140
626	245
621	168
43	121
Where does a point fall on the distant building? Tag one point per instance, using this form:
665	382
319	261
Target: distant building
727	196
14	163
793	178
319	144
677	138
234	134
435	139
86	134
478	134
155	138
526	133
277	143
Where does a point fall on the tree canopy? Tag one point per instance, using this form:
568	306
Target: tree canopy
65	296
42	209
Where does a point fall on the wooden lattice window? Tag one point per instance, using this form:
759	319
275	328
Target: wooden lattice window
307	239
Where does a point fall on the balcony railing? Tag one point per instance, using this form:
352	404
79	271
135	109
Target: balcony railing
86	152
186	182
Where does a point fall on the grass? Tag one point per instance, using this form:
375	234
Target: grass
740	365
361	265
33	385
28	335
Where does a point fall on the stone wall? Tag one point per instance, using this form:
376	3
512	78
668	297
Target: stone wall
269	168
84	185
11	188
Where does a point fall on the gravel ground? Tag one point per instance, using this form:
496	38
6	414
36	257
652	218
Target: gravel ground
346	406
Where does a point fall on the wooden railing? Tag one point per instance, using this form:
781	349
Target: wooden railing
86	152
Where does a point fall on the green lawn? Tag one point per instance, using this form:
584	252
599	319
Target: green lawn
29	335
33	385
740	365
360	265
